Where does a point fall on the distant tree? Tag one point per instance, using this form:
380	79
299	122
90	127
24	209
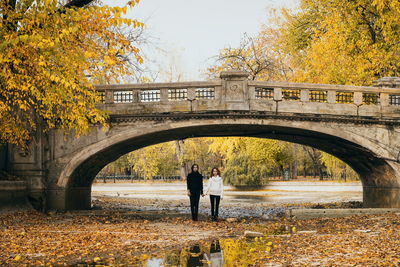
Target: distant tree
154	160
337	168
247	161
254	55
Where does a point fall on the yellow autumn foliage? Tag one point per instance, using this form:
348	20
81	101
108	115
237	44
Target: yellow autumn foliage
343	42
50	56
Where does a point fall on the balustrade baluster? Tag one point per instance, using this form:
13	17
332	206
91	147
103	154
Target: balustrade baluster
384	99
109	96
277	94
331	97
191	94
304	95
164	95
358	98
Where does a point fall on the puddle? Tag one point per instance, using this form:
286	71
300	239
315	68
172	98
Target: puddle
216	253
196	255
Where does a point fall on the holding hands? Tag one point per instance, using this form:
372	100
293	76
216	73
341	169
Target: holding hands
189	194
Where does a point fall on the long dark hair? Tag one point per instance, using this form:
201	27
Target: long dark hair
193	167
212	172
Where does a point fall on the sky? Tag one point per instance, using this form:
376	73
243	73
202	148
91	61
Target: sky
186	34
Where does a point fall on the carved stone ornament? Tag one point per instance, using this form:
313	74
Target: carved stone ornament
234	92
23	153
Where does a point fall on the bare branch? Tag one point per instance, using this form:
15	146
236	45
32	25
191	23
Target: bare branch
12	3
78	3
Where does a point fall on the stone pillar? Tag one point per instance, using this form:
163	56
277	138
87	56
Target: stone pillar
218	90
79	198
304	95
135	96
384	97
63	199
56	199
331	97
163	95
109	96
277	94
252	92
381	197
191	93
235	89
28	165
390	82
358	98
381	181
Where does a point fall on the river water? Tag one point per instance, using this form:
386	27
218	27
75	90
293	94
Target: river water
276	192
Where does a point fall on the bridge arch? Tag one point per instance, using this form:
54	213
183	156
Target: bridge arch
354	144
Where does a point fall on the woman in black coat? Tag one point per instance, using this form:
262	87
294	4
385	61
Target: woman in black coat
195	189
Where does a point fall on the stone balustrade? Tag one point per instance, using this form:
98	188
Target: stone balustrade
234	92
303	92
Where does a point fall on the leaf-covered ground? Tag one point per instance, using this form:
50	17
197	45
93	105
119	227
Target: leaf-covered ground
34	238
369	240
111	237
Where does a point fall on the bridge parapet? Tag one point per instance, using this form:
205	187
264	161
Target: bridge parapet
233	92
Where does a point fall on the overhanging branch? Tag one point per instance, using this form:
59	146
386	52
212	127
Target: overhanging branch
77	3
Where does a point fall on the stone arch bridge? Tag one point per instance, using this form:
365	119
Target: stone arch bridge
360	125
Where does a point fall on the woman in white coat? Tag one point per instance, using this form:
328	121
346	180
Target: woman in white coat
215	188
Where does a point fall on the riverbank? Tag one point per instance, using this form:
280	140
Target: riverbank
178	207
276	193
112	237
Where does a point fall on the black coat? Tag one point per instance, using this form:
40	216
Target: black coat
195	182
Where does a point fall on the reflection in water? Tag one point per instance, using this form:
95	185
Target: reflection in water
218	253
216	258
251	198
199	255
195	256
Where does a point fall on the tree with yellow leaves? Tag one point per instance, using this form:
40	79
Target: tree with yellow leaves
337	168
154	160
50	56
247	160
343	42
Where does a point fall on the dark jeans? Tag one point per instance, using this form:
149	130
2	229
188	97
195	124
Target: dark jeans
194	204
214	205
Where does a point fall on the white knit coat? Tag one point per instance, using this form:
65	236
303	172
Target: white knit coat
215	186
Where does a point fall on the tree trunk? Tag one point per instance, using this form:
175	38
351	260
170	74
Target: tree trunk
179	155
314	155
295	165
